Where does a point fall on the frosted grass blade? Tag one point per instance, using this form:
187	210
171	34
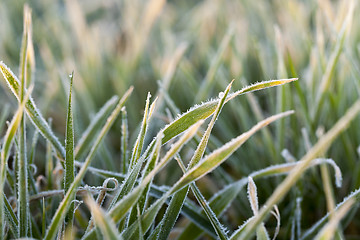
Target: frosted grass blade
206	165
121	208
320	147
31	110
128	201
209	163
131	178
5	152
124	141
69	158
206	109
141	137
328	231
309	234
150	165
23	210
98	120
11	218
219	228
220	202
65	203
177	200
102	221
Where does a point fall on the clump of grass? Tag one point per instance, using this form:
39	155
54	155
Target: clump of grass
147	182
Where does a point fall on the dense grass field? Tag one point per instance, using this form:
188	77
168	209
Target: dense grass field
183	120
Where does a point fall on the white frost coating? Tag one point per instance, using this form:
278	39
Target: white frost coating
231	96
287	167
338	175
252	195
235	233
276	214
221	94
41	124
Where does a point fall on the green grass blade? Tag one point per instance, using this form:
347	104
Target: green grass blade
153	159
31	110
128	183
220	201
128	201
101	198
157	192
141	137
209	163
177	200
11	218
69	158
219	228
146	220
98	120
131	178
5	152
206	165
23	190
65	203
328	231
309	234
172	213
121	208
320	147
141	234
206	109
106	225
124	141
43	224
49	165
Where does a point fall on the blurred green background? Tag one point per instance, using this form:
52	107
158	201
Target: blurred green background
187	52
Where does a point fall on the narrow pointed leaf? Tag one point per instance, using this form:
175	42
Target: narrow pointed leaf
31	110
23	209
98	120
206	109
141	137
320	147
65	203
178	199
208	163
5	152
121	208
128	201
69	158
124	141
219	228
221	200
